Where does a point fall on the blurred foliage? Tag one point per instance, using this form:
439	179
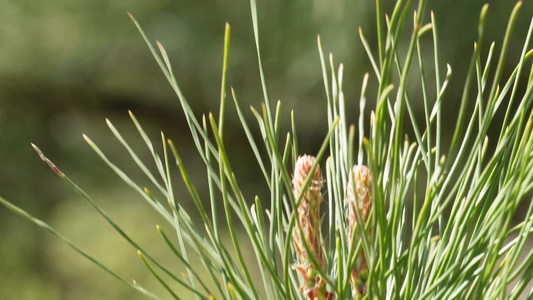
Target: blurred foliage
67	64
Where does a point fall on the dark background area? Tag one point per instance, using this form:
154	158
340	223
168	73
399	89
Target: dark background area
66	65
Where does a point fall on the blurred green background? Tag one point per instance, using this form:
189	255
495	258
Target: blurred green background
66	65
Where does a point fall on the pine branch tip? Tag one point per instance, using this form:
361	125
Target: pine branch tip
484	10
148	192
131	17
49	162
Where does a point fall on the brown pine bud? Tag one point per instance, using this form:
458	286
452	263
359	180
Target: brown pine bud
310	221
361	180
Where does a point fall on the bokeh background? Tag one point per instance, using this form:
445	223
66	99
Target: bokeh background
66	65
